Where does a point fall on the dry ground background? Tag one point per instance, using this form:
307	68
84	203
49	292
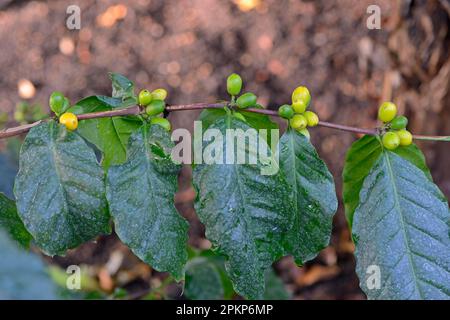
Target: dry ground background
190	46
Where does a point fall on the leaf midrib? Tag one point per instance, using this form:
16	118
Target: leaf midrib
58	176
243	200
402	221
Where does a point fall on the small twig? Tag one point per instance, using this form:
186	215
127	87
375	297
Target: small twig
136	110
11	132
431	138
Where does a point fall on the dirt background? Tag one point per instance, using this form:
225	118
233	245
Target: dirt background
191	46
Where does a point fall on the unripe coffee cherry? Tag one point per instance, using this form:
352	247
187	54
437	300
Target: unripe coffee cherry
298	122
387	111
312	118
299	106
145	97
155	107
159	94
391	140
399	123
234	84
405	136
301	94
286	111
246	100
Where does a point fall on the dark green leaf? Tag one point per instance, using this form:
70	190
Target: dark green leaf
122	89
314	196
359	161
402	228
60	189
413	154
245	214
10	221
141	198
109	135
209	116
219	262
206	279
275	289
255	120
8	171
22	274
203	280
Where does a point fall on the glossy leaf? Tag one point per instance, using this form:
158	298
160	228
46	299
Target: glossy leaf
22	274
209	116
359	161
206	279
109	135
10	221
245	214
315	201
123	89
8	171
141	193
254	120
203	280
401	227
275	289
60	189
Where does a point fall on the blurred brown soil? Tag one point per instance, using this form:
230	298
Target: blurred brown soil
191	46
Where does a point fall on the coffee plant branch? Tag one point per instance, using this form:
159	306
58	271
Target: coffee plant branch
136	110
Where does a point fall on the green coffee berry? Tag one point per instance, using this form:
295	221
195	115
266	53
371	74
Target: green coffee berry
246	100
155	107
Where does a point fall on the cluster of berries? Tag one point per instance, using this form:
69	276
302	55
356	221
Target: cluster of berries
59	104
154	105
299	118
396	134
234	87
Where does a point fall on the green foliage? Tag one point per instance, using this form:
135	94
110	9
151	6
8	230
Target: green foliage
123	89
399	217
315	201
10	221
401	225
140	194
8	171
109	135
60	189
359	161
254	120
206	278
22	274
203	280
275	289
245	227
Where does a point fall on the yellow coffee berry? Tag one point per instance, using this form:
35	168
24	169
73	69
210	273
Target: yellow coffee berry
159	94
387	111
298	122
301	94
391	140
299	106
405	136
69	120
311	118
